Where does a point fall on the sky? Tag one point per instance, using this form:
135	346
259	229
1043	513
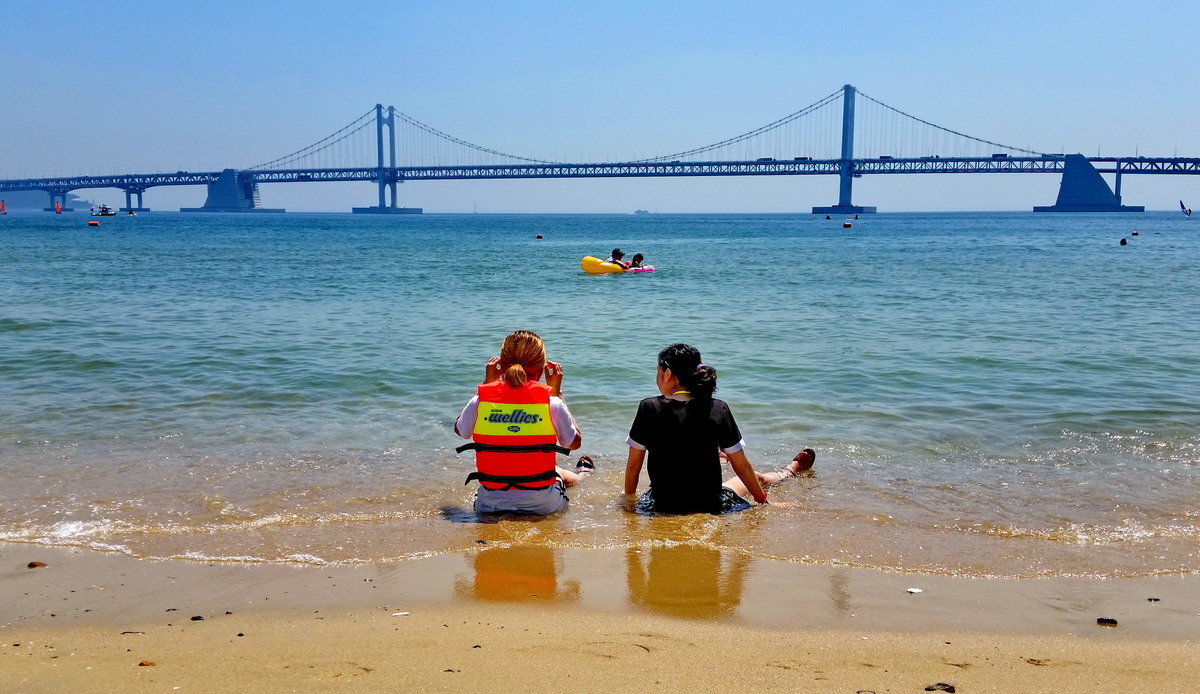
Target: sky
136	86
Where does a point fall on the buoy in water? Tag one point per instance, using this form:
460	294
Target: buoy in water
1124	242
93	223
1136	234
538	236
846	225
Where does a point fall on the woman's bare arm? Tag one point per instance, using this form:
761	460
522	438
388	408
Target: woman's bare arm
633	469
745	472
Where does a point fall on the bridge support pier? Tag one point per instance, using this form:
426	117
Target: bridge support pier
846	173
386	178
129	207
230	193
60	197
387	210
1083	189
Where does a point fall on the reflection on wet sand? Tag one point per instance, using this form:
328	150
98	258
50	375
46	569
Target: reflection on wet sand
689	581
525	573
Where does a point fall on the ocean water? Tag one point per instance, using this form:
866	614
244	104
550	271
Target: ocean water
989	394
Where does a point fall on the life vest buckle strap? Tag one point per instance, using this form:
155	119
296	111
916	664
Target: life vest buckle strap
512	481
513	448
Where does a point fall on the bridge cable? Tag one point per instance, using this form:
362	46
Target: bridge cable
751	133
446	136
292	156
954	132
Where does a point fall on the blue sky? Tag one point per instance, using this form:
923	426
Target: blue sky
102	87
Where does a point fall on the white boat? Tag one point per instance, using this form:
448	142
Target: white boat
103	211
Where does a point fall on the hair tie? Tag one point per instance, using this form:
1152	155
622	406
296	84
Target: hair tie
699	366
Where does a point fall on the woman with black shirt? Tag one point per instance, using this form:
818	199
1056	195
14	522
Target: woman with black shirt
686	431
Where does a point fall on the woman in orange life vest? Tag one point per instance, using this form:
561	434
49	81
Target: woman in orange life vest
516	425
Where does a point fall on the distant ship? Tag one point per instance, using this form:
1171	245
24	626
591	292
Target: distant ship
640	212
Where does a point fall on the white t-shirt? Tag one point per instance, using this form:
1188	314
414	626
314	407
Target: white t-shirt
564	424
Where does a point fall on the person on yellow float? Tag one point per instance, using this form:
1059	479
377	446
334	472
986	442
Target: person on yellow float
517	424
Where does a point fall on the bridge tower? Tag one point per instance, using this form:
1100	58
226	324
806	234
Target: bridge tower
846	173
387	176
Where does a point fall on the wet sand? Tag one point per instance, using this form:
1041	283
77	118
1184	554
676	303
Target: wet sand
534	618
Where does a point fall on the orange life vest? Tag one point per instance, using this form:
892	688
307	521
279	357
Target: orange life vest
514	437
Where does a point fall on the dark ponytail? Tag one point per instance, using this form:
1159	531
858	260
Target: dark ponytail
684	361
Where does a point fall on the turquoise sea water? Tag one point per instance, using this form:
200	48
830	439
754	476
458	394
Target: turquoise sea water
990	394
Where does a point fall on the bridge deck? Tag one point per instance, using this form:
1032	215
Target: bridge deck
758	167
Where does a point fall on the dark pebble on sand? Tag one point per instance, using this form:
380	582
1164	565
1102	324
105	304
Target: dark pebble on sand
1106	621
1151	599
481	542
476	646
35	564
197	618
941	687
228	612
172	609
240	634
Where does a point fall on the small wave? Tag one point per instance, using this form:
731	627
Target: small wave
1084	534
309	559
12	325
93	530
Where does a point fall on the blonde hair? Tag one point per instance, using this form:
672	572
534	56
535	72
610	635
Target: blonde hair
522	354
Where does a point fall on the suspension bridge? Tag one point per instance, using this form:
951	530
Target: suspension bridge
847	134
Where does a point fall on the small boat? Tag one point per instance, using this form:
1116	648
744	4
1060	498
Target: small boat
103	211
641	212
1187	211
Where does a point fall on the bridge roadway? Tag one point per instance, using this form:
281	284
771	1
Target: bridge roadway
757	167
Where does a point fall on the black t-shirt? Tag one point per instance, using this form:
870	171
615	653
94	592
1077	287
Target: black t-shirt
682	437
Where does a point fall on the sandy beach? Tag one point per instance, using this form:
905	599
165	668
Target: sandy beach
538	619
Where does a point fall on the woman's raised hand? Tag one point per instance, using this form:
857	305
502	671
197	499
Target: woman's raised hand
492	371
554	376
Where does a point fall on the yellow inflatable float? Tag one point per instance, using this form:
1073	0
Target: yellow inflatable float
595	266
